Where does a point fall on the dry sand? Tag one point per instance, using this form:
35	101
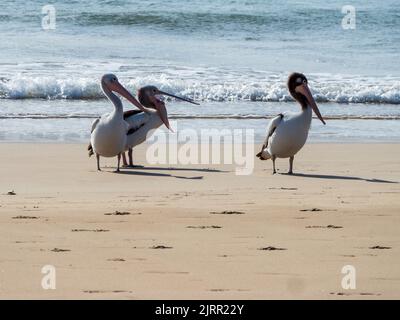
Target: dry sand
172	239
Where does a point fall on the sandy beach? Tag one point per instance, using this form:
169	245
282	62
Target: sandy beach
200	231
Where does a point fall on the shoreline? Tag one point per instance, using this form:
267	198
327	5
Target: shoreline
70	126
257	144
200	231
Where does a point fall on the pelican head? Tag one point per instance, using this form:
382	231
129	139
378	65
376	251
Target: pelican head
299	90
109	83
148	97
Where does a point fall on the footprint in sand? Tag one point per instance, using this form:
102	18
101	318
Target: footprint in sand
270	248
60	250
219	290
121	213
380	247
166	272
329	226
227	212
160	247
354	294
204	227
311	210
316	210
25	217
103	291
88	230
116	260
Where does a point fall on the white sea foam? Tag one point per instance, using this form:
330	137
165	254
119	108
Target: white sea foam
217	86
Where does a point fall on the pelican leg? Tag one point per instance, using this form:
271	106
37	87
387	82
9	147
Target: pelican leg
124	162
98	162
130	151
273	164
291	165
119	161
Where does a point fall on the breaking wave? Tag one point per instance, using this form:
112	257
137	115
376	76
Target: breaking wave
218	87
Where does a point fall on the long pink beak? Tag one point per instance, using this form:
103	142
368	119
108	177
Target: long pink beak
304	90
162	112
117	87
176	97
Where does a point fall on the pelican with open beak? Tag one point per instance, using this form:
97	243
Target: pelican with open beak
148	96
141	123
287	133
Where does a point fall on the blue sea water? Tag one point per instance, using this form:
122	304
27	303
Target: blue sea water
232	56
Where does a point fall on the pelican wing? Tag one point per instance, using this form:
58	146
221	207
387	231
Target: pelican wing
130	113
135	119
150	122
94	124
273	124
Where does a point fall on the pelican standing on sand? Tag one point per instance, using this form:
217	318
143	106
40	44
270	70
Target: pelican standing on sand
114	133
109	133
287	133
148	97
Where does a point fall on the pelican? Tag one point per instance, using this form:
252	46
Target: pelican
141	122
138	123
287	133
109	132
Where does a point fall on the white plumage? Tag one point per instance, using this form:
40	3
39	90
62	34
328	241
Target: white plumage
141	125
288	132
109	132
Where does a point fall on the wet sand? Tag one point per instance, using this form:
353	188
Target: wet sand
200	231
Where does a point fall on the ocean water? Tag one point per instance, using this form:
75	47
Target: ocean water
232	56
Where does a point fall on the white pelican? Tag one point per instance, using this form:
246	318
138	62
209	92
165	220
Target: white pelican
287	133
109	133
138	123
141	122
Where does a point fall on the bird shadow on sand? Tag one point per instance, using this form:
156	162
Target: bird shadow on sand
175	169
153	174
337	177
